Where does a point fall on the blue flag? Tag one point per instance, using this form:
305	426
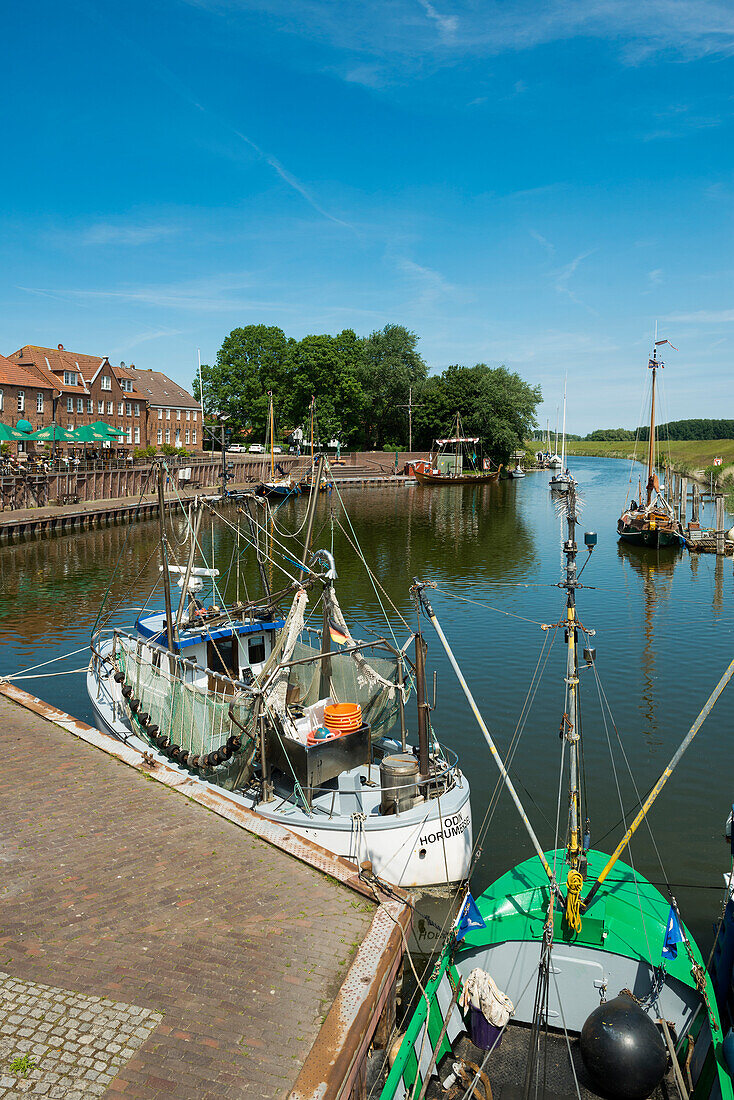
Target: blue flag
469	918
673	936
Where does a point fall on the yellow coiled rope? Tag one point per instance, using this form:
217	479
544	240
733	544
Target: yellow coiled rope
575	883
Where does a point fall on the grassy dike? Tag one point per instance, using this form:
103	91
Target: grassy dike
689	457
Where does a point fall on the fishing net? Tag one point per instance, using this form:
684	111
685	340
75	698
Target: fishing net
194	713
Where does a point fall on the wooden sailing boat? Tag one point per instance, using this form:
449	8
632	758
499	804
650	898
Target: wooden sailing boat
653	522
282	486
448	466
574	962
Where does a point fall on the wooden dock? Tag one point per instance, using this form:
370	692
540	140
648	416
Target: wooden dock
160	941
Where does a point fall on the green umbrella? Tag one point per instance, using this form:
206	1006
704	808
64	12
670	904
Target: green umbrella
88	433
7	434
109	431
53	433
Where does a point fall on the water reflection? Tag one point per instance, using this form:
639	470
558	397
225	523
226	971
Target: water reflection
656	570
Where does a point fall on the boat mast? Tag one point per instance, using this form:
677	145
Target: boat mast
570	724
272	441
653	364
563	440
164	559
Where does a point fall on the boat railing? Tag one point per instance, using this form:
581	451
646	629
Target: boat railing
178	666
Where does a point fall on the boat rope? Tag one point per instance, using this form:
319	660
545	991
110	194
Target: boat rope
513	747
123	549
479	603
574	884
565	1033
43	664
43	675
364	562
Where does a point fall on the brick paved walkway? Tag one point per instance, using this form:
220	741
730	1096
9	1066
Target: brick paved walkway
114	887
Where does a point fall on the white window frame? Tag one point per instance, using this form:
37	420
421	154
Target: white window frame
70	378
110	406
137	408
188	436
137	433
80	404
160	414
105	382
168	414
70	404
160	437
2	400
193	437
39	402
100	407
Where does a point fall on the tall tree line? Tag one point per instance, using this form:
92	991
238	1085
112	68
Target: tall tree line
362	387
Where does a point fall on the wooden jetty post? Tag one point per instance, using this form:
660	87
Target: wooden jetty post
683	500
695	501
720	535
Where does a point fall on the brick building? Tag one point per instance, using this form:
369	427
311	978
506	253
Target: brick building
174	416
77	389
23	396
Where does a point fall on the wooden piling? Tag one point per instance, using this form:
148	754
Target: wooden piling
695	501
720	536
683	503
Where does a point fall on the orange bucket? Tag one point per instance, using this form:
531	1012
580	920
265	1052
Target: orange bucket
343	717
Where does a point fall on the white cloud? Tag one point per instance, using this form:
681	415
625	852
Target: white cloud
703	317
104	233
562	278
447	24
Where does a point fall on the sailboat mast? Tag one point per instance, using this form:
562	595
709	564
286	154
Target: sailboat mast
570	723
272	442
563	440
651	455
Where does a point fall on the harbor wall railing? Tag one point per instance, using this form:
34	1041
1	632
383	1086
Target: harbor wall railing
36	487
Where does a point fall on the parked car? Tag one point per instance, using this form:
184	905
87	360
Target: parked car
237	448
256	449
277	450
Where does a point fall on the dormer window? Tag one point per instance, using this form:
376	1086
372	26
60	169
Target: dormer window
127	385
70	378
106	382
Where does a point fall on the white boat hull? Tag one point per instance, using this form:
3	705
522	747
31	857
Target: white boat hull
427	846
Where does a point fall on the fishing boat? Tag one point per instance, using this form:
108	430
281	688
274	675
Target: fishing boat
517	471
456	462
572	974
294	719
560	482
652	521
282	485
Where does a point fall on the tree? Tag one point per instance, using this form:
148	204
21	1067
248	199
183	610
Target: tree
326	368
251	361
494	404
390	367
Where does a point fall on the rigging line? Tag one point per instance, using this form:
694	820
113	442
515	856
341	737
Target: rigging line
143	491
43	675
479	603
250	542
514	744
602	694
373	578
135	579
565	1030
362	557
621	806
284	533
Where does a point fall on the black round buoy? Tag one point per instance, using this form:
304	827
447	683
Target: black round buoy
623	1050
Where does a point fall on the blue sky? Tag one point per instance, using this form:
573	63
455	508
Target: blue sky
518	182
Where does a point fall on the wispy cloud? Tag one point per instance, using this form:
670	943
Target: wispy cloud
703	317
430	285
562	278
543	241
684	29
118	233
447	24
655	277
143	338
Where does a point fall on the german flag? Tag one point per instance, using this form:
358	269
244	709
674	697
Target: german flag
339	636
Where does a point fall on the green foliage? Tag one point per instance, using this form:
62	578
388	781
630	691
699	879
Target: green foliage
361	387
22	1065
495	404
4	449
390	366
145	452
168	449
603	434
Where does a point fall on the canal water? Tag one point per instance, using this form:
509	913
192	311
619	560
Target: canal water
662	640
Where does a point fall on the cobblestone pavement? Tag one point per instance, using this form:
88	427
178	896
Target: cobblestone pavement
116	887
64	1045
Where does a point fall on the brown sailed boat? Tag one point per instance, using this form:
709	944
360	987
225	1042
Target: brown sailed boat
652	521
448	467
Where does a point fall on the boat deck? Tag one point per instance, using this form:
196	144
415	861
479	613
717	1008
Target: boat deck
505	1069
171	952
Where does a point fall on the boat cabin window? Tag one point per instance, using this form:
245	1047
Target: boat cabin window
256	650
222	657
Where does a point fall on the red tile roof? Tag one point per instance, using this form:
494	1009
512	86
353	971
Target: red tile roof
158	389
13	374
